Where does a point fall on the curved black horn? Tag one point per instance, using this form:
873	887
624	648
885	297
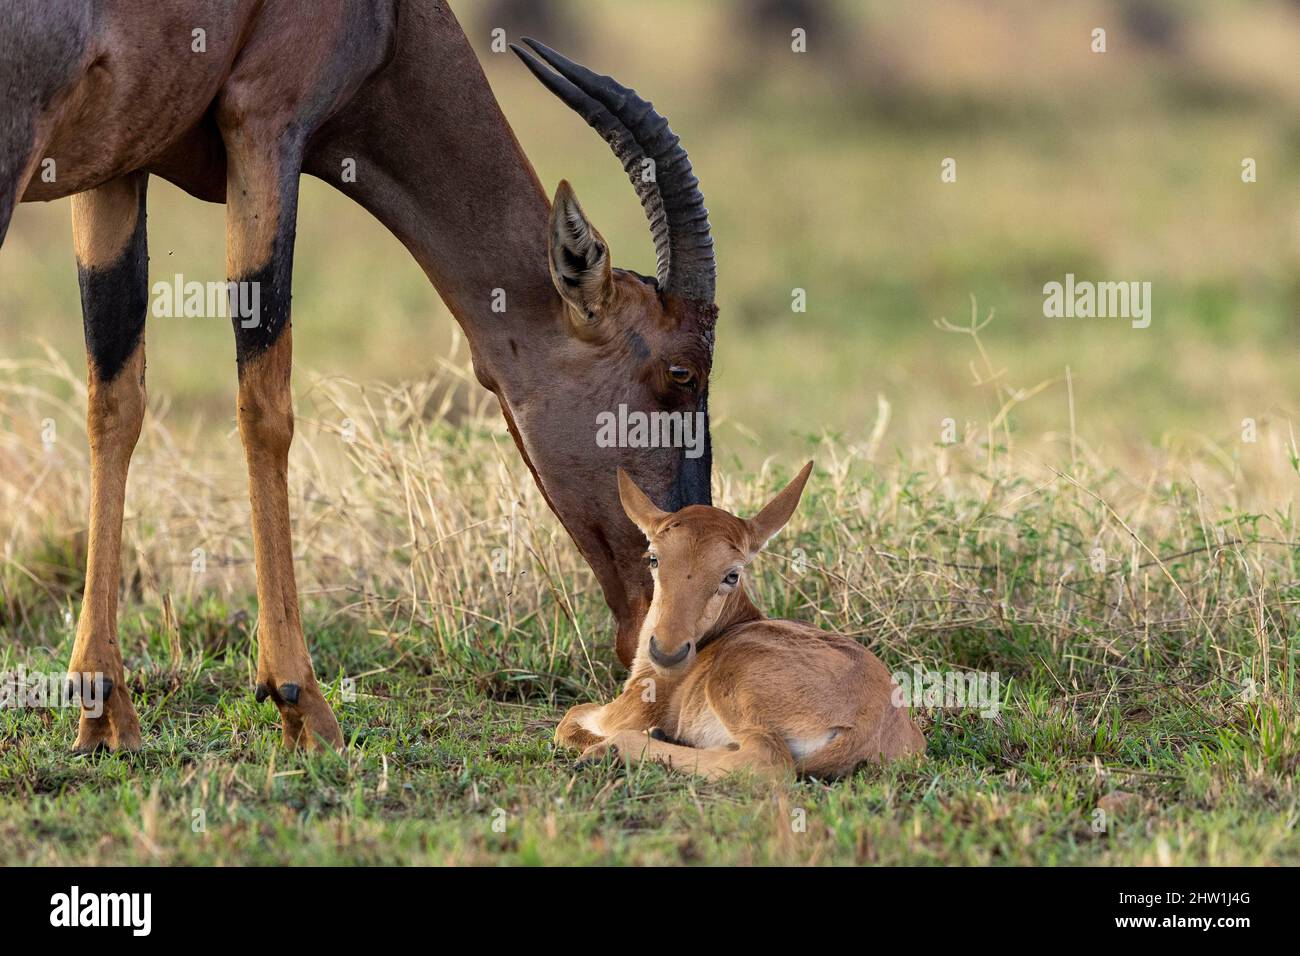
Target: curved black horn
670	196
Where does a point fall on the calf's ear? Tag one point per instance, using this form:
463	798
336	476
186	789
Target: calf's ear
638	505
764	525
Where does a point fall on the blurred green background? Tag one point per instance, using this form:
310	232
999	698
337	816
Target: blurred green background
822	172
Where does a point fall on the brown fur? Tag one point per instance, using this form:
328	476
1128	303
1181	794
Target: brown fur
394	86
751	693
266	427
104	224
103	221
115	411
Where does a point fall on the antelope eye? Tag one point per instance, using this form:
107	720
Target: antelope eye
653	559
681	375
732	577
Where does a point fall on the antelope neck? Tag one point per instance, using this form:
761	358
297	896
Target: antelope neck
738	610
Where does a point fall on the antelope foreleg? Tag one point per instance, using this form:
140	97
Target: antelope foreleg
108	226
758	753
580	727
261	208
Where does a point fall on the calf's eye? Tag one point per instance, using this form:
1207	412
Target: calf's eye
730	580
681	375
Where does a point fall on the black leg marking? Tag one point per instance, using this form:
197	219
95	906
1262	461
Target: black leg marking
114	302
266	293
77	686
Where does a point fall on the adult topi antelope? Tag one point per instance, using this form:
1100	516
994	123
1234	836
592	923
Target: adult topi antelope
717	687
232	100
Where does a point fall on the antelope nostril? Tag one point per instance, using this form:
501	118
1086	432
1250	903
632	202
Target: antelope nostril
668	660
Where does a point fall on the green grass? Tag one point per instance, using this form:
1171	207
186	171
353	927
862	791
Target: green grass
821	173
449	758
434	762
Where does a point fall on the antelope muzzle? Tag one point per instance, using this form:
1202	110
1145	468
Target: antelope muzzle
669	661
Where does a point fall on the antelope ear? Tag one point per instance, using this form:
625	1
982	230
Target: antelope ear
764	525
579	257
638	505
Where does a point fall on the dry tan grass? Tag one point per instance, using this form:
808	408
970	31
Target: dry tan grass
419	519
1169	673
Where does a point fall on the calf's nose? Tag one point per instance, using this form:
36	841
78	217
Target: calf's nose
668	660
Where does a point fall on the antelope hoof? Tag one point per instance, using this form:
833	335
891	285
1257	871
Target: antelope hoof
305	717
115	727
